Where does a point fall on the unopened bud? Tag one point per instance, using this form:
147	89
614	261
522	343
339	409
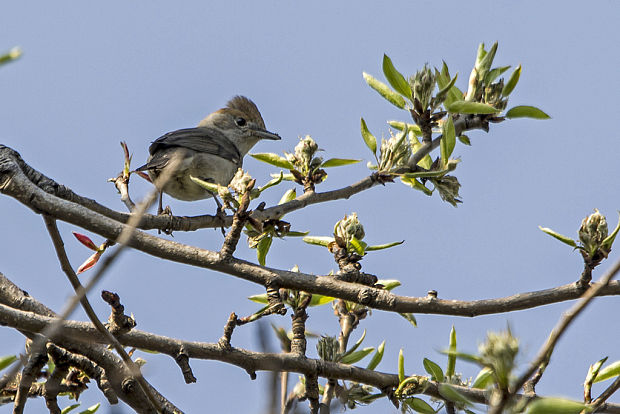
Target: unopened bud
593	231
448	187
327	348
422	84
304	151
349	227
240	181
499	352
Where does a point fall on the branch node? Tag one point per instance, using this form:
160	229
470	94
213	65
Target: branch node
224	341
118	322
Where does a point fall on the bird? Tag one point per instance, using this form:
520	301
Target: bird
213	151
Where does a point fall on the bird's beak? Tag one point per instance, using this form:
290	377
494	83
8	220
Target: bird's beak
263	134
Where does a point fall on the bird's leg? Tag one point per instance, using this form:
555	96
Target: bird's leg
163	212
220	214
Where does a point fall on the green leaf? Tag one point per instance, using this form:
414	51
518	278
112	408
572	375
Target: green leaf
262	298
433	369
285	177
7	360
494	74
205	184
419	405
262	248
451	394
338	162
512	81
395	78
556	406
289	195
357	344
69	408
443	79
274	159
464	139
467	107
385	91
318	300
448	141
610	371
483	379
593	372
383	246
388	284
487	60
297	233
369	139
410	318
560	237
356	356
464	356
92	409
358	246
377	357
609	240
416	185
318	240
272	182
451	355
11	55
401	366
399	125
525	111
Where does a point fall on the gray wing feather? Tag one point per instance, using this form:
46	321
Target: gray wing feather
200	139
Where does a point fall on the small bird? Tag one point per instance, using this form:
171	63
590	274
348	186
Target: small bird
213	151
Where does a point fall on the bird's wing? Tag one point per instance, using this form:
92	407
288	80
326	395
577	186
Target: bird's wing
201	139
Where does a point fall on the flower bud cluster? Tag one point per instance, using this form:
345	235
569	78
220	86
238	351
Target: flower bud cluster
395	152
499	353
349	227
423	84
592	232
328	349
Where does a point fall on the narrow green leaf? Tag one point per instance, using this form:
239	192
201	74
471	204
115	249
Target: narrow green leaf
525	111
494	74
433	369
416	185
451	355
69	408
610	371
467	107
389	284
285	177
401	366
7	360
274	159
451	394
338	162
11	55
609	240
427	174
464	356
383	246
377	357
318	240
556	406
318	300
399	125
272	182
464	139
448	141
262	298
385	91
297	233
262	248
395	78
92	409
357	246
593	372
560	237
419	405
483	379
356	356
487	60
357	344
410	318
289	195
512	81
205	184
369	139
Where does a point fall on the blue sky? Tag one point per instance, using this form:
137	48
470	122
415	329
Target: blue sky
92	75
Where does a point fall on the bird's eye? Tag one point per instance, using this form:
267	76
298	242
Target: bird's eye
240	121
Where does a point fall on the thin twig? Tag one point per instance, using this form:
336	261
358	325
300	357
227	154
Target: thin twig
545	352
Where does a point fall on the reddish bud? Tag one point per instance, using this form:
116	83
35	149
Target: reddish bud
86	241
90	262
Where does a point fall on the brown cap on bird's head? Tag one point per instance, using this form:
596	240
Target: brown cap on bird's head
243	104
